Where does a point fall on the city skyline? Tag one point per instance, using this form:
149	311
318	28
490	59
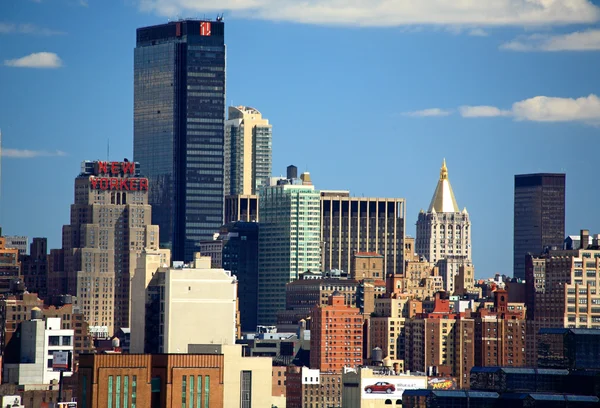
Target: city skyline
74	125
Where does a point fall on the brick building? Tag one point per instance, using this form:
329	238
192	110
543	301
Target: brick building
312	388
10	266
336	338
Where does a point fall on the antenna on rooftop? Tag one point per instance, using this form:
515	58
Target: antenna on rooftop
107	149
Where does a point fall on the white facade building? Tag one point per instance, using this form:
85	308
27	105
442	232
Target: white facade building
444	232
39	340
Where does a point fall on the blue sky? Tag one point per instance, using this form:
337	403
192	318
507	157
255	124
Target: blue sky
369	98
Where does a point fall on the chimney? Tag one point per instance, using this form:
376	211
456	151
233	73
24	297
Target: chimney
584	239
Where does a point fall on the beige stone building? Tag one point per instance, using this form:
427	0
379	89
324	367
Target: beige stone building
444	232
247	154
387	329
109	228
464	281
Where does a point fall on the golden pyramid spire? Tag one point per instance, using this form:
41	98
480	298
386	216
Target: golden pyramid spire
443	198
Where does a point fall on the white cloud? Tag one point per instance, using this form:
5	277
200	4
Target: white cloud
550	109
588	40
478	32
36	60
27	28
537	109
391	12
427	113
481	111
30	154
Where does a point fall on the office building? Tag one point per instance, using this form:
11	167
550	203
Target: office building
241	207
10	266
35	267
444	232
336	335
186	304
569	349
562	291
109	228
288	242
39	339
178	124
17	242
236	250
539	216
248	151
362	224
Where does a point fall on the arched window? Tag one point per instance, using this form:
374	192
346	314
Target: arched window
398	402
388	402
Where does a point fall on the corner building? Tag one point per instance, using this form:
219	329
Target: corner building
179	115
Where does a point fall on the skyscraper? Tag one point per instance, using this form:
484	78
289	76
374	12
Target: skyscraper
539	218
444	232
179	115
110	226
247	151
361	224
288	243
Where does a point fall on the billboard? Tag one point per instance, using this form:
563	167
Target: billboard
386	387
441	383
60	361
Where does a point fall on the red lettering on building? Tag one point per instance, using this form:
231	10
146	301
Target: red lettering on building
94	182
133	184
102	167
103	183
144	184
114	183
128	167
114	168
123	185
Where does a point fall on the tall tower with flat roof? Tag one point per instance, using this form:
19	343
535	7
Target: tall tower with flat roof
178	126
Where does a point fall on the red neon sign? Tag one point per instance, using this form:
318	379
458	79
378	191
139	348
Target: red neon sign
116	177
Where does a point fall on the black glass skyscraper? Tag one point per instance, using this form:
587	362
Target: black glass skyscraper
539	218
179	114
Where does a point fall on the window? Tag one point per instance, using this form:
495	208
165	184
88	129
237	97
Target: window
66	340
191	391
183	391
246	389
206	391
133	390
118	399
54	341
110	391
125	390
199	392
